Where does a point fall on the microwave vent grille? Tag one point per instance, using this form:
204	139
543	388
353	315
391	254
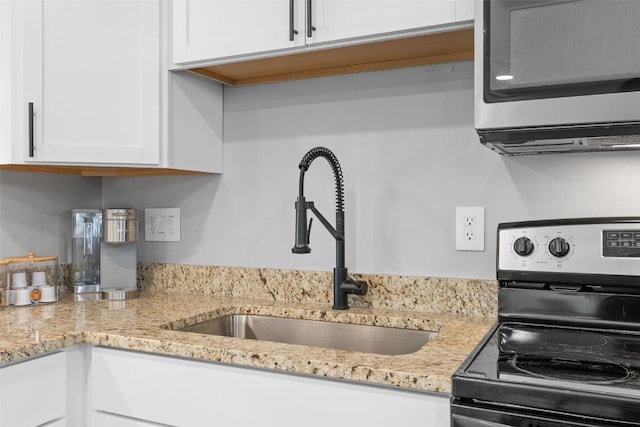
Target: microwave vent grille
566	145
560	139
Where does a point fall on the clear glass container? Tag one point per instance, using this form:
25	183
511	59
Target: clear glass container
85	249
32	279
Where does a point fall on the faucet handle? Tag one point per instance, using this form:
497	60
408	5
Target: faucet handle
309	230
362	287
301	245
356	287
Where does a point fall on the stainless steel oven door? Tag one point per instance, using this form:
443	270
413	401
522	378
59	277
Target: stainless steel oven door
478	416
553	63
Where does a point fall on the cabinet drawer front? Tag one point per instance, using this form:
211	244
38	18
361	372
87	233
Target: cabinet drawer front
103	419
33	392
140	386
171	391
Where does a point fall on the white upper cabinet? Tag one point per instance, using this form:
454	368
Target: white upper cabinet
227	28
210	31
92	76
335	20
86	84
464	10
6	92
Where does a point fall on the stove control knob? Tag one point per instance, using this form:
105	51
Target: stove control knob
559	247
523	246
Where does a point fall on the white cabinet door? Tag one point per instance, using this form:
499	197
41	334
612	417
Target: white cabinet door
76	389
92	73
205	29
336	20
103	419
182	392
465	10
5	80
209	31
33	392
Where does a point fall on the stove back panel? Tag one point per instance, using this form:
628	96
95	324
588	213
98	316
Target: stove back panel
600	247
589	309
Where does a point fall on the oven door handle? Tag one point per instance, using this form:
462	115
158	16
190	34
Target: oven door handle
463	421
474	417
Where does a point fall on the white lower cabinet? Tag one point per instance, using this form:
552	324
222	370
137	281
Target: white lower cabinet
86	386
45	391
137	389
111	420
33	392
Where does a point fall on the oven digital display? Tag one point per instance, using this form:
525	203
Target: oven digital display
621	243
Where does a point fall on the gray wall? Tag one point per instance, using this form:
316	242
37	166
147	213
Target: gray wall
410	155
35	211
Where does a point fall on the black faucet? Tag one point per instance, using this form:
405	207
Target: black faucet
342	283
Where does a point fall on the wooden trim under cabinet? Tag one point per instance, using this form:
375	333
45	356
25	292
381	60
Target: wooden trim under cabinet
447	46
98	171
433	48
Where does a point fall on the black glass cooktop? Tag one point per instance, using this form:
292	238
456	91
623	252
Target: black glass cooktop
590	360
600	361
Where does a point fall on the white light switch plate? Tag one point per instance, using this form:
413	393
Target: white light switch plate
162	224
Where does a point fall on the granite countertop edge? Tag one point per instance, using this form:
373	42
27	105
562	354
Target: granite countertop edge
147	324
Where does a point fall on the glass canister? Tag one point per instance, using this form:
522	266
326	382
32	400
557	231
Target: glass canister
4	283
85	249
33	279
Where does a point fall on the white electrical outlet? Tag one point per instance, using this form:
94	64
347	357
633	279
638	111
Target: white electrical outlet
470	229
162	224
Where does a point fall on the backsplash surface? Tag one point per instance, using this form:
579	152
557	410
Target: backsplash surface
416	293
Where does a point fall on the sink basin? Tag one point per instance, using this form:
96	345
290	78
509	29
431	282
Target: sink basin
340	336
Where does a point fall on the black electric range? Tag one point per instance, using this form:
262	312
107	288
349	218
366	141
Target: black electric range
565	351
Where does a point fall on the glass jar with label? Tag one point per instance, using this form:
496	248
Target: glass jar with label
32	279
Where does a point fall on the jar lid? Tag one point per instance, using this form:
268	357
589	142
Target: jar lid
31	257
119	214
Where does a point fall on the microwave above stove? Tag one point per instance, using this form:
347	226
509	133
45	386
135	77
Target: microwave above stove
557	76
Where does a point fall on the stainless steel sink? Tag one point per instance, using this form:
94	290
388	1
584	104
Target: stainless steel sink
341	336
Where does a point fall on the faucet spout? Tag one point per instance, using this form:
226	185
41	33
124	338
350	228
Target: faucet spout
343	285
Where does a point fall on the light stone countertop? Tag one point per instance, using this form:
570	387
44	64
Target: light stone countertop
144	324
